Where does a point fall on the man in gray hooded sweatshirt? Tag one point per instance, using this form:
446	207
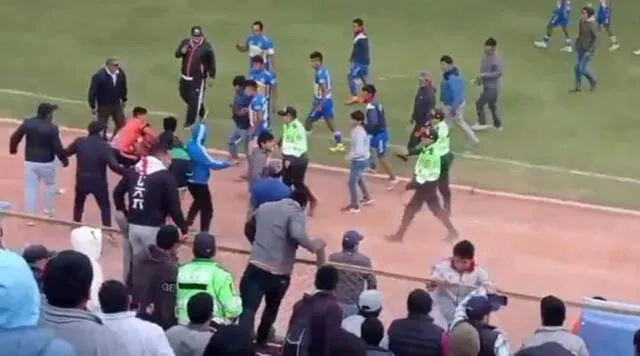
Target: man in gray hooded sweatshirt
67	283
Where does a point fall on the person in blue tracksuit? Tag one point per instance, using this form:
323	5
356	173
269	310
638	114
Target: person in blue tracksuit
452	96
201	165
359	61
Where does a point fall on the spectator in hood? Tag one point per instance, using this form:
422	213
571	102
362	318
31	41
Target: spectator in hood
88	241
154	278
475	310
192	338
230	340
464	340
553	314
42	147
352	283
37	257
369	307
140	337
180	165
267	187
67	285
372	332
345	343
19	313
546	349
416	334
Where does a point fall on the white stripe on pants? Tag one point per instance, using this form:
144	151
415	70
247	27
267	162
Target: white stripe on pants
459	120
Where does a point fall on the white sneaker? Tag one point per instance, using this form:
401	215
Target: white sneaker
61	191
540	44
567	49
636	52
480	127
392	184
48	214
369	201
614	47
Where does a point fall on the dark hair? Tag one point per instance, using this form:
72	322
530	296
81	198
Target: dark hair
264	137
200	308
257	59
345	343
446	59
113	297
231	340
167	237
464	249
300	197
251	84
67	279
552	311
357	115
158	147
259	24
96	127
358	21
316	55
589	10
491	42
170	123
239	80
139	110
372	331
369	88
419	302
326	278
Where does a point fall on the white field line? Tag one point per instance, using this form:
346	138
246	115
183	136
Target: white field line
465	188
508	162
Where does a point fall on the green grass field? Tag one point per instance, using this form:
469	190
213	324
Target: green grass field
592	132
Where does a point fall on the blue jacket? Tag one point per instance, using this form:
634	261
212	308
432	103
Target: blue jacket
452	88
265	190
201	162
20	312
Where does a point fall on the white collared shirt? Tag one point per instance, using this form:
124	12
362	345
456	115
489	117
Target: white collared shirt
114	75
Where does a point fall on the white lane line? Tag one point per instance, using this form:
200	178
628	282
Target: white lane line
504	161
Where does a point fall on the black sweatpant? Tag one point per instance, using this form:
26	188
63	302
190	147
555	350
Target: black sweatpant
293	175
443	182
424	193
413	139
201	204
116	112
124	160
192	93
100	192
255	284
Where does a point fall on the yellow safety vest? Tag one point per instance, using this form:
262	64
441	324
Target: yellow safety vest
294	139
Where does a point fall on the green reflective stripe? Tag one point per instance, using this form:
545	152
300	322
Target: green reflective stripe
191	277
442	146
294	139
427	167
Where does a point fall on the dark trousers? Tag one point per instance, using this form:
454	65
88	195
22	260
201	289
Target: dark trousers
201	204
255	284
192	93
100	192
488	97
413	139
424	193
443	182
116	112
124	160
293	176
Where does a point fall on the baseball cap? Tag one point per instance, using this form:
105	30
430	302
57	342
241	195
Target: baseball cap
288	110
204	245
480	306
351	238
196	31
36	252
46	108
370	300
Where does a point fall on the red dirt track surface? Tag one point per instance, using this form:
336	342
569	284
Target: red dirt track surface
528	247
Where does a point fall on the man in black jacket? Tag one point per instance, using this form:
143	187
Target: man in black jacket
198	64
423	105
42	147
108	94
94	155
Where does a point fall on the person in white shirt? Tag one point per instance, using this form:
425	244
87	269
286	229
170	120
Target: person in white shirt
369	306
141	338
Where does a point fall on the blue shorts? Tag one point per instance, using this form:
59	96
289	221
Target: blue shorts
325	112
379	144
559	19
358	71
603	16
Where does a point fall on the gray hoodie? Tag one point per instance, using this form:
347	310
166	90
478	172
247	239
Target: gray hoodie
188	340
557	334
83	330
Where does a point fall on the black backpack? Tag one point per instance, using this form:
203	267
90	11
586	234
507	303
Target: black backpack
297	339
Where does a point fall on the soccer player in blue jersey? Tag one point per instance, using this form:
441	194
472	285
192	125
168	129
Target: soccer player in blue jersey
258	44
376	126
560	18
322	106
258	111
360	60
603	17
266	81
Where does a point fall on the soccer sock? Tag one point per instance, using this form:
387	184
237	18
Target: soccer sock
352	85
613	40
567	41
337	137
546	39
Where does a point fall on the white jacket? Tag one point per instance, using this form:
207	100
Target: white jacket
141	338
88	241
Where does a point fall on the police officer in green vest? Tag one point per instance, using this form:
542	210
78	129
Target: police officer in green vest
203	274
425	185
442	148
295	161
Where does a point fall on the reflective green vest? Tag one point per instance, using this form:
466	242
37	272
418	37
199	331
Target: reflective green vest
428	165
442	146
294	139
202	275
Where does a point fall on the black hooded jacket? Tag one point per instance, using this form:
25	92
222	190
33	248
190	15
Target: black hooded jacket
43	143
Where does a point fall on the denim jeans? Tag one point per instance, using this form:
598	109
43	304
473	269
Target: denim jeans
236	137
582	69
34	173
355	179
